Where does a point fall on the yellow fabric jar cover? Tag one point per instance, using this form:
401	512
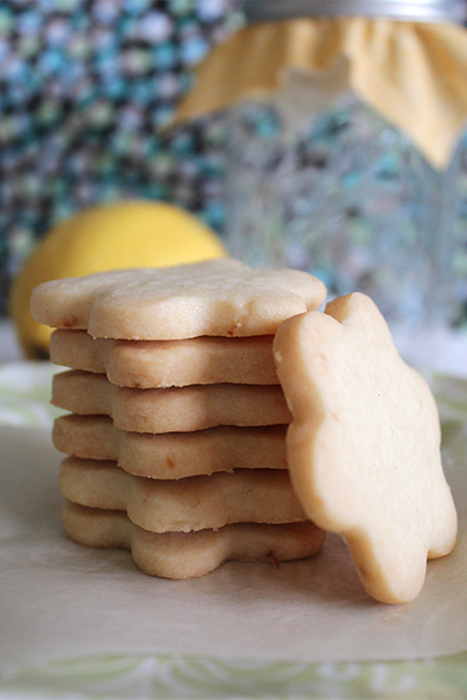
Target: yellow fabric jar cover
414	74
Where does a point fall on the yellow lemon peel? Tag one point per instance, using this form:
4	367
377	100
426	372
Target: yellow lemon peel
107	237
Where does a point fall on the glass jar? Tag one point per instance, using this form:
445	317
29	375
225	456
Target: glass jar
346	195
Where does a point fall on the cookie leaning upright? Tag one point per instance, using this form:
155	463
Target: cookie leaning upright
363	448
214	298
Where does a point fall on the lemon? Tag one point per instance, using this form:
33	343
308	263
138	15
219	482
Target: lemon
107	237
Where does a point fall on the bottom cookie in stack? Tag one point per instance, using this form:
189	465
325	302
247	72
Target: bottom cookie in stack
181	555
186	528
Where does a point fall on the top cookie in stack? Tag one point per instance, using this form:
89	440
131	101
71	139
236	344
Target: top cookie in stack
163	361
214	298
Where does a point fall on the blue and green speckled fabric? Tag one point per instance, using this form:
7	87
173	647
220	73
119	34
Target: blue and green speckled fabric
85	86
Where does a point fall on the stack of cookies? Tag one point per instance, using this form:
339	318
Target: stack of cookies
176	432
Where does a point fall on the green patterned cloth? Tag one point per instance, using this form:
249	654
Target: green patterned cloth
24	400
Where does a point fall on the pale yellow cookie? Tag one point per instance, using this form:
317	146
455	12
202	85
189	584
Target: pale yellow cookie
195	503
364	445
178	409
165	363
171	455
181	555
218	297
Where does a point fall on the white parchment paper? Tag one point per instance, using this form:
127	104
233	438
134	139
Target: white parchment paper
59	600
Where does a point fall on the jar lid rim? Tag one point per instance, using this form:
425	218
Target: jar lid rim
408	10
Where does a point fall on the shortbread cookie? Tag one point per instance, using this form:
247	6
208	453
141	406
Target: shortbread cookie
364	445
171	455
178	409
218	297
195	503
165	363
180	555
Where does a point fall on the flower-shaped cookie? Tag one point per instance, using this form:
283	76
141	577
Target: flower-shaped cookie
364	445
217	298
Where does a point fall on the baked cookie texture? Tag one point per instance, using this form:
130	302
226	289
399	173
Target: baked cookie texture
173	409
363	447
196	503
172	455
193	389
182	555
176	432
215	298
161	364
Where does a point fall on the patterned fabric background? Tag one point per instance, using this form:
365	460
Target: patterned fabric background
85	86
